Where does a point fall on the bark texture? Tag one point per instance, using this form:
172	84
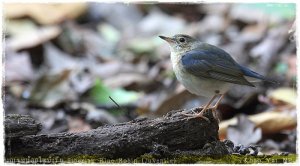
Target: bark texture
171	134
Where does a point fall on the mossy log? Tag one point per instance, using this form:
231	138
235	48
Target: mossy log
172	134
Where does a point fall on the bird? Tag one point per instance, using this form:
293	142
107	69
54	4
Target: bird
206	70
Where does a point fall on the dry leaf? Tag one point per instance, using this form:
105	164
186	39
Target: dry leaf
166	102
253	33
19	27
18	67
52	89
45	13
112	68
126	79
157	22
269	122
33	38
286	95
244	132
246	14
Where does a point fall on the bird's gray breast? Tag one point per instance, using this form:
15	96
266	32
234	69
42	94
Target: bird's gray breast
194	84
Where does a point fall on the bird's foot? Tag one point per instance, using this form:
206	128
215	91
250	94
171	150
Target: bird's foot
198	115
214	112
194	110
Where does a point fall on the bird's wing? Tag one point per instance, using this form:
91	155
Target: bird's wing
213	63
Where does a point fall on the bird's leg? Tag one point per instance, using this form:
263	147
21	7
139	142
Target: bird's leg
208	104
214	108
196	108
200	114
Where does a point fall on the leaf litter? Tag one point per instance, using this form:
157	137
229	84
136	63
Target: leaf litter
99	63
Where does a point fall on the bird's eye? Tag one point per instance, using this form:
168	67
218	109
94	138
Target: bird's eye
181	39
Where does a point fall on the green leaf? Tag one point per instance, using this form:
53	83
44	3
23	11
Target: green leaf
100	94
110	33
283	10
144	45
282	68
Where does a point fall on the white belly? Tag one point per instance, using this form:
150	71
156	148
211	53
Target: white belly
199	86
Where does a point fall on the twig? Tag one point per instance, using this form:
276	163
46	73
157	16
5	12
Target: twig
115	102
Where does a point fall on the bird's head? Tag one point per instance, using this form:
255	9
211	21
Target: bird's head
180	42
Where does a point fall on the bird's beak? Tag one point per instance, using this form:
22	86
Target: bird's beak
168	39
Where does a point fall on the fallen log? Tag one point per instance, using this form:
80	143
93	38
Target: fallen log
20	125
173	133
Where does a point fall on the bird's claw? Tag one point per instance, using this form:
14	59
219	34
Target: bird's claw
199	115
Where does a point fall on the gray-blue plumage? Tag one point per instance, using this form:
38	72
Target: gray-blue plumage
206	70
250	73
211	62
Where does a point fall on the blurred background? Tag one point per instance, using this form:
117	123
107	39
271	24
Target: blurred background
75	67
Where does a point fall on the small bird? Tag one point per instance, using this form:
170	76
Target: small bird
206	70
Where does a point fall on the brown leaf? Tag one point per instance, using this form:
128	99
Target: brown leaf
126	79
269	122
166	102
253	33
45	13
284	94
33	38
112	68
51	89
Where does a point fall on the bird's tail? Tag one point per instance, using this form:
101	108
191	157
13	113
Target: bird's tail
252	74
